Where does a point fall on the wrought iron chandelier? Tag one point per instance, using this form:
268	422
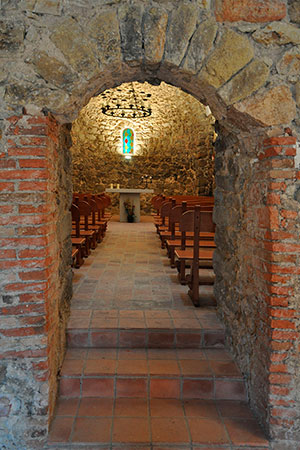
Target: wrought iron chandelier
126	103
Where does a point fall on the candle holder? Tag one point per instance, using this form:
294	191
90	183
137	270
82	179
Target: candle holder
146	180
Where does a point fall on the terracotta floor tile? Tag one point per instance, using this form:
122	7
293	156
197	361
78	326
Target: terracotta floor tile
66	406
159	339
80	313
166	407
161	353
69	387
131	430
97	387
183	314
78	322
202	389
127	322
77	338
245	432
135	339
161	367
190	353
187	324
92	430
169	430
225	369
161	314
100	367
200	408
217	354
76	353
72	367
132	367
103	339
102	353
129	354
61	428
131	407
110	323
191	340
195	368
163	324
162	388
240	410
230	390
131	387
133	314
207	431
97	407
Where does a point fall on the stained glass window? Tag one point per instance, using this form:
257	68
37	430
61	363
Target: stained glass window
128	138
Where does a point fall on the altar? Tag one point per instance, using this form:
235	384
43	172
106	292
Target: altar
132	196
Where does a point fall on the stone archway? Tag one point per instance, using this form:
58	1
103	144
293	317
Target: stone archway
256	198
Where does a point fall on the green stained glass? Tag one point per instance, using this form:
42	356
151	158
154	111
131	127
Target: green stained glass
128	137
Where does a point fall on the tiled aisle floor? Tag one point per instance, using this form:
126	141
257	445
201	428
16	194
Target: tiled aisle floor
169	397
129	271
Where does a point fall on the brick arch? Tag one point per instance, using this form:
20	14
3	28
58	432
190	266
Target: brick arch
255	212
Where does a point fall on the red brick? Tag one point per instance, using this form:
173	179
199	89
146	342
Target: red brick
250	11
277	301
278	357
284	335
283	312
273	199
24	354
7	187
278	235
291	151
283	412
43	208
32	297
288	214
278	368
279	390
7	164
270	152
276	278
279	346
7	254
27	331
25	219
286	324
280	140
13	287
27	151
279	290
275	378
33	253
42	365
32	163
273	186
23	309
281	402
24	174
20	241
34	141
287	174
33	186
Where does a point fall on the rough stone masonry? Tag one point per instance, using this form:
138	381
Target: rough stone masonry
240	57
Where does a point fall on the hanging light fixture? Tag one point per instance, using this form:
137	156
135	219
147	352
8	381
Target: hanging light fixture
126	103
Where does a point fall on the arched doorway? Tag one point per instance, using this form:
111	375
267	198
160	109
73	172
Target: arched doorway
251	182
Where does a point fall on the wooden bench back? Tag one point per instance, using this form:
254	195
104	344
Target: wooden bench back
76	218
205	219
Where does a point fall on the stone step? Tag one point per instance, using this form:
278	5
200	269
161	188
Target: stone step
152	373
145	329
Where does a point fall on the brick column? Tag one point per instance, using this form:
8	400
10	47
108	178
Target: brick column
281	271
30	325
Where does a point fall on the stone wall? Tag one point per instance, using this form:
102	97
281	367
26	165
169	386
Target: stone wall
239	57
174	146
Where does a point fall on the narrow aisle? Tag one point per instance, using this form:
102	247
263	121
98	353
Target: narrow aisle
129	270
145	369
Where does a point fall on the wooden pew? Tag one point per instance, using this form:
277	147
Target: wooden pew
85	211
78	241
183	254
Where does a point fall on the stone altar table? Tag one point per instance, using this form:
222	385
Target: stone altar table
132	195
